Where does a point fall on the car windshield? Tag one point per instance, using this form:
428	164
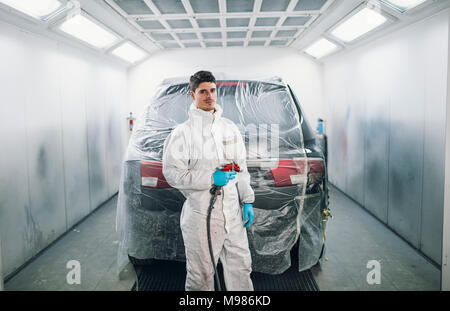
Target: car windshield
258	108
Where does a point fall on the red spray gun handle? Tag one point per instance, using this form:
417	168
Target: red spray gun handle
231	167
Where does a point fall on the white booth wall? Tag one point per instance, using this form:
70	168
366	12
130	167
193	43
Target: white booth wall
304	75
385	112
62	137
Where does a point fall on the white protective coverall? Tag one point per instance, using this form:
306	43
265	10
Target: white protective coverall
192	153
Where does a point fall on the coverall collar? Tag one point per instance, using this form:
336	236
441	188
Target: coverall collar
205	115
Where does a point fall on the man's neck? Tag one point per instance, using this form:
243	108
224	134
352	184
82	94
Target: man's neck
210	111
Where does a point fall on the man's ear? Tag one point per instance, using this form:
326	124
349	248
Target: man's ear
192	95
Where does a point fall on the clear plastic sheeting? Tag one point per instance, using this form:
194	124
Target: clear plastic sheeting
286	168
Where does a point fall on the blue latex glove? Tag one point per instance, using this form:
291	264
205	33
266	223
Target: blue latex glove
222	178
248	214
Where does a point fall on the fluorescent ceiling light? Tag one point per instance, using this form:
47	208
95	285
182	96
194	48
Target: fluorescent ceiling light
35	8
129	52
403	5
358	25
86	30
321	48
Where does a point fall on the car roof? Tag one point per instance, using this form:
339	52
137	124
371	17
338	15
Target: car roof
225	77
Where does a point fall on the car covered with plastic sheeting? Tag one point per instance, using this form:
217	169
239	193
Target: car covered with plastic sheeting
287	169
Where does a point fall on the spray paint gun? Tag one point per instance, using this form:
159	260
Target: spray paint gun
215	191
230	167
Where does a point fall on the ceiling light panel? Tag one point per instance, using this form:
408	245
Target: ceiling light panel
256	43
39	9
213	44
286	33
238	22
151	25
133	6
208	22
187	36
267	21
278	42
240	5
129	52
179	23
235	43
296	21
274	6
170	45
403	5
83	28
192	45
236	34
161	36
261	34
212	35
321	48
205	6
309	5
279	20
359	24
169	6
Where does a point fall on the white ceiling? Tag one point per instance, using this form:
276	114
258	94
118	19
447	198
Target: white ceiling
178	24
159	25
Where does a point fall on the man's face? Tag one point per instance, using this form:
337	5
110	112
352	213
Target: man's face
205	96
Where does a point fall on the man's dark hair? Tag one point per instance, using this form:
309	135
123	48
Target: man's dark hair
199	77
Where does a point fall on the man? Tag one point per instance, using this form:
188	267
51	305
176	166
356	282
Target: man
193	152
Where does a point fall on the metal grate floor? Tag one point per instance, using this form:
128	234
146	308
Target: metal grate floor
164	275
